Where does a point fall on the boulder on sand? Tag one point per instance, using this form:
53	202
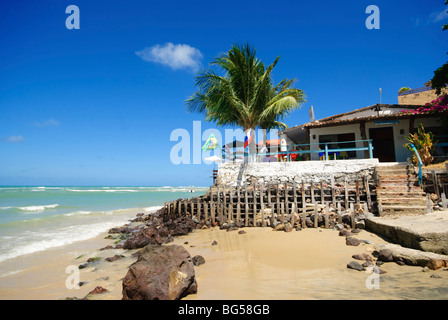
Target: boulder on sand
160	273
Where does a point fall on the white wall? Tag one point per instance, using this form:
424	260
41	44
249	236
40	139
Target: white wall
273	172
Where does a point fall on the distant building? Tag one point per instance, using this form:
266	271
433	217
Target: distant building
419	96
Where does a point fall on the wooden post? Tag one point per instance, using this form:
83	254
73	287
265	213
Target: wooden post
435	183
322	201
352	215
357	190
174	209
246	207
428	203
346	194
270	205
312	191
206	213
282	208
293	212
366	209
443	196
224	204
303	205
369	198
295	209
231	218
168	210
286	199
263	224
212	212
199	211
179	208
255	206
339	213
333	195
277	207
219	205
327	215
315	215
238	207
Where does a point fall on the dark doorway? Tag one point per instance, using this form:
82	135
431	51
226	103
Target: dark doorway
383	143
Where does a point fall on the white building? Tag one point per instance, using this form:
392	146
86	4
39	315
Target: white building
384	124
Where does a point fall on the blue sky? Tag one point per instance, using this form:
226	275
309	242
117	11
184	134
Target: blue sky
97	105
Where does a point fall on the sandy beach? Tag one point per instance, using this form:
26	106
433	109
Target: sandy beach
260	264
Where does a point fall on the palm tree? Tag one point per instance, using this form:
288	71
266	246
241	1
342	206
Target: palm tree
245	95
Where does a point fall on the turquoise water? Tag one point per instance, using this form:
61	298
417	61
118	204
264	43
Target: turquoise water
33	219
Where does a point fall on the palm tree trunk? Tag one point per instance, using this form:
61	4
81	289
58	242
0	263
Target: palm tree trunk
252	146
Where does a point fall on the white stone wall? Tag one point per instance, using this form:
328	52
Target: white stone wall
273	172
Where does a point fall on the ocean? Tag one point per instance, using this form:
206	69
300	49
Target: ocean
33	219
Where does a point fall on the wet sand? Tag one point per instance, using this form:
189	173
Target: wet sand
260	264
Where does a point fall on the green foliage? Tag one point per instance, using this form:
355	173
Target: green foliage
440	79
424	143
403	89
244	95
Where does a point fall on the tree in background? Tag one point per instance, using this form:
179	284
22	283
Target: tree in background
440	79
244	94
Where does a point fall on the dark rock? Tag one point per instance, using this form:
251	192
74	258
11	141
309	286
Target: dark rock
279	227
386	255
157	232
214	243
198	260
288	227
435	276
98	290
114	258
231	228
107	248
344	232
81	283
350	241
356	231
355	265
362	256
298	229
241	232
160	273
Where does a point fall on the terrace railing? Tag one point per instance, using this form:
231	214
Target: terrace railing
326	153
416	90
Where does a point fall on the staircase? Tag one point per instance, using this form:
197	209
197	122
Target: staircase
398	191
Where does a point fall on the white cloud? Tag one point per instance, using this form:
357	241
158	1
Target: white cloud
439	16
14	139
175	56
47	123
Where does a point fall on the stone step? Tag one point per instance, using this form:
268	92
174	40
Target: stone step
403	209
398	171
397	176
419	201
399	188
390	194
395	167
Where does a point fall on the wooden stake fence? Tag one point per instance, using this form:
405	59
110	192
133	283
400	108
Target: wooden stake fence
268	204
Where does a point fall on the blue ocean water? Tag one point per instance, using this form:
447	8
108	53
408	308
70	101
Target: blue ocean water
33	219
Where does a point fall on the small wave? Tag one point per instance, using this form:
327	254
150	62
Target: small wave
102	190
153	208
5	208
81	212
38	208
